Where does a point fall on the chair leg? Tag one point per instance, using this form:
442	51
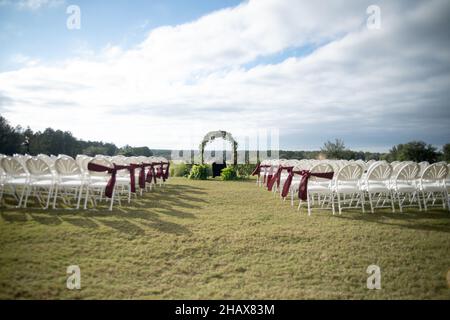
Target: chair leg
399	202
86	200
362	202
80	193
424	201
332	203
371	204
416	195
309	204
27	195
21	196
50	192
112	200
339	203
55	196
392	202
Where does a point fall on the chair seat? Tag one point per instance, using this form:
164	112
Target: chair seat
432	187
16	181
42	183
98	184
404	187
347	188
376	188
318	188
71	183
123	180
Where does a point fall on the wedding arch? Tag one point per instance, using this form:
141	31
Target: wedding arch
211	136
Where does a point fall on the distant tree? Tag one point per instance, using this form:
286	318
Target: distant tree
138	151
335	150
446	152
11	139
413	151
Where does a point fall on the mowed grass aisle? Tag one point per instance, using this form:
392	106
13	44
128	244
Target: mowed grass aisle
214	240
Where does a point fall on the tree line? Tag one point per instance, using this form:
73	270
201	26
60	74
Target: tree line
18	140
50	141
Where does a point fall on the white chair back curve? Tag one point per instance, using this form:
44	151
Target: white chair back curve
13	167
38	167
407	172
435	172
350	172
381	171
67	166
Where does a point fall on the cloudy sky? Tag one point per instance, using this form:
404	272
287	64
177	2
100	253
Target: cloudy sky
163	73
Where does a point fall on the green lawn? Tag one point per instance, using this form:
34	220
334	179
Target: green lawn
222	240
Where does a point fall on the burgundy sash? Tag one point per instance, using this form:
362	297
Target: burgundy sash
159	170
303	188
142	176
113	171
257	170
151	173
132	168
166	174
277	177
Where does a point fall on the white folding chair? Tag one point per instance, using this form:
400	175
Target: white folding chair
16	178
347	188
376	185
70	181
432	185
319	187
42	181
403	185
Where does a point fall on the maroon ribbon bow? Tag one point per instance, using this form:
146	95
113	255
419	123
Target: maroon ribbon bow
166	173
257	170
113	171
151	173
142	176
277	177
303	188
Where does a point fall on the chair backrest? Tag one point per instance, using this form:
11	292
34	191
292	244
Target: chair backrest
13	167
350	172
38	167
435	172
423	166
407	172
67	166
321	167
380	171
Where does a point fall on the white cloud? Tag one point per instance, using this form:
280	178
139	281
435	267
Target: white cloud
31	4
37	4
183	80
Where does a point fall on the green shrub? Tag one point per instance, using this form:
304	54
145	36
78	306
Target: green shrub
229	173
245	170
180	170
199	172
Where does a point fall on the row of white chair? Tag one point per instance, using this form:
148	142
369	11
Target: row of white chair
378	183
65	178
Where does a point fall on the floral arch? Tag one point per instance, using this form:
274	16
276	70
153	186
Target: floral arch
211	136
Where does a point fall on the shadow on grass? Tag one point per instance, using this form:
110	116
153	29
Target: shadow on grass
411	220
14	217
145	211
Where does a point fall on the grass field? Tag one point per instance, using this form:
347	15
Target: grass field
222	240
